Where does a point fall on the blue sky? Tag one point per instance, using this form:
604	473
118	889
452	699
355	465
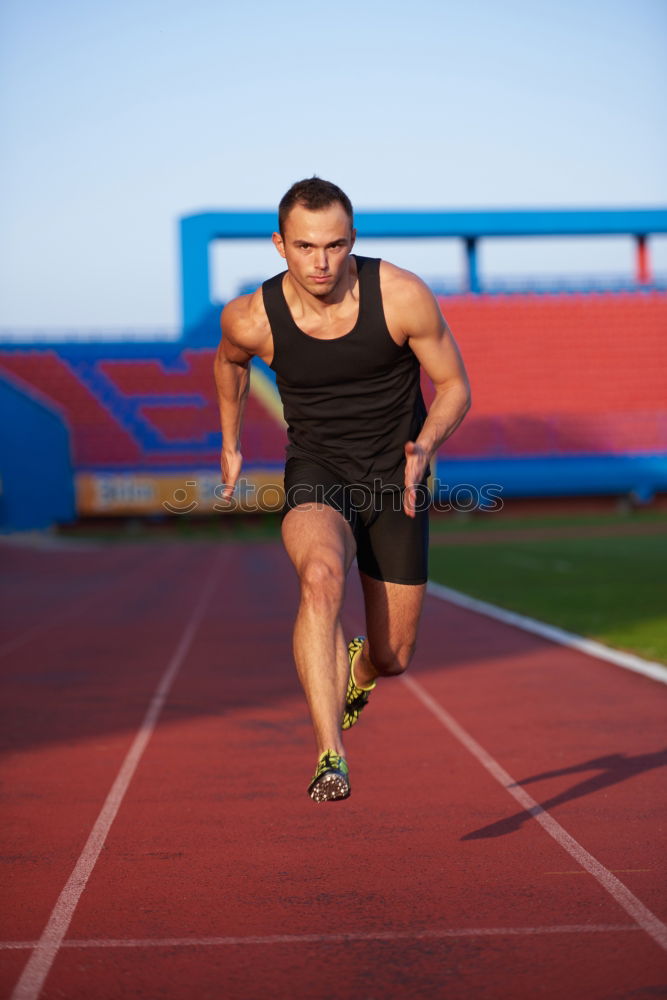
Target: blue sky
118	118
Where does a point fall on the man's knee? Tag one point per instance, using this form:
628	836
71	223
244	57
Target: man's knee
390	662
322	579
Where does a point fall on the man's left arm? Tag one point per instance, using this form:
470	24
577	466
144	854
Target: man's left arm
432	342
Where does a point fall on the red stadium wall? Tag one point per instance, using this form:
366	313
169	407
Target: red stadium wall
562	374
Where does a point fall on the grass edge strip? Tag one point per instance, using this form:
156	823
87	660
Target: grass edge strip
629	661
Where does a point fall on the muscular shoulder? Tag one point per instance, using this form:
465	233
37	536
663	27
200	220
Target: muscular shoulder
245	325
244	321
409	303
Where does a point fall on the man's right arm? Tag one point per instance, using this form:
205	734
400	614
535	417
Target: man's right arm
232	379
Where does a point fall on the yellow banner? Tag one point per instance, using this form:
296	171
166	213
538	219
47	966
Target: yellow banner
195	492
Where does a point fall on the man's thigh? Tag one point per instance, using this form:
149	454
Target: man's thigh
314	523
393	548
393	611
392	557
318	533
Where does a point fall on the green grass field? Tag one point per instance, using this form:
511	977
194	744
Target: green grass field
611	588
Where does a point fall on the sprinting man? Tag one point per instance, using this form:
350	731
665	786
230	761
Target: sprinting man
346	336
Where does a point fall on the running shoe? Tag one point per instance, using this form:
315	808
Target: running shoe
331	780
356	698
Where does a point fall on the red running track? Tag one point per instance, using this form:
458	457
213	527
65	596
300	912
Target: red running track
158	841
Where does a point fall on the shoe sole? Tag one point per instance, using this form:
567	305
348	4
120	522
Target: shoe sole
330	788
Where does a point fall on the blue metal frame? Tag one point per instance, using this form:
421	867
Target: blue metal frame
197	231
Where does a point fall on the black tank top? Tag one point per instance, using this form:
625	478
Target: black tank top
353	402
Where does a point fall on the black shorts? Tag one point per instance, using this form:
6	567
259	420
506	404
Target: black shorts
390	545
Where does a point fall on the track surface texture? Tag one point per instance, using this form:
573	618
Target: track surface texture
505	836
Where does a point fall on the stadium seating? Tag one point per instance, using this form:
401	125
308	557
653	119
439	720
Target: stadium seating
551	375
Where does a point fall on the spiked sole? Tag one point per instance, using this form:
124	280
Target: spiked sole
330	788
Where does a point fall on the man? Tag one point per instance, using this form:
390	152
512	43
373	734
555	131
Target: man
346	336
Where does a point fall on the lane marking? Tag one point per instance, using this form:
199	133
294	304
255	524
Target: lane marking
614	871
626	899
649	668
45	950
431	934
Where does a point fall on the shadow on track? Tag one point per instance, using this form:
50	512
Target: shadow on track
613	769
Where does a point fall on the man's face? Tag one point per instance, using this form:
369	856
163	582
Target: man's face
316	246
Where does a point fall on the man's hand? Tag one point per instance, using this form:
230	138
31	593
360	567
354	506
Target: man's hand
230	464
416	464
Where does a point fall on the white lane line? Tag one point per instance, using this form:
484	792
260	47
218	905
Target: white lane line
37	968
430	934
649	668
626	899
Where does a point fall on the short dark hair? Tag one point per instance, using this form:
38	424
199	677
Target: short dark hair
313	193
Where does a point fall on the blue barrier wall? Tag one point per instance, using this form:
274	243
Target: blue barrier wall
37	487
637	476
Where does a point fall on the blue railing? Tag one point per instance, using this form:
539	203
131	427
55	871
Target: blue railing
199	230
